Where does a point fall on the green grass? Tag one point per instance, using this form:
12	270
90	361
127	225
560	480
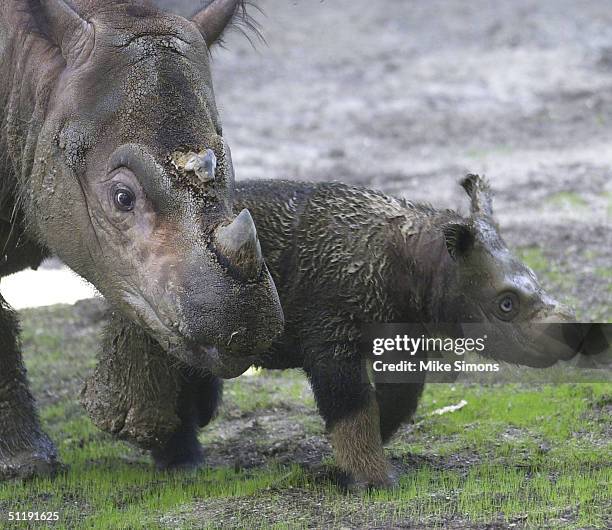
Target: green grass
567	199
271	390
101	491
550	273
531	456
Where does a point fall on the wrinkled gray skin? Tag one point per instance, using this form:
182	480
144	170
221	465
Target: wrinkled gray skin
113	159
342	257
147	414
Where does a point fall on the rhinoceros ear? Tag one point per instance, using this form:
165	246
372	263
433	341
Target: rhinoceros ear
459	239
480	195
217	16
66	27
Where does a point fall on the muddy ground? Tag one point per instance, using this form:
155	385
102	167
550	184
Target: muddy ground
513	456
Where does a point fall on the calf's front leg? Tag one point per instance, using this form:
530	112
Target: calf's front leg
198	400
350	410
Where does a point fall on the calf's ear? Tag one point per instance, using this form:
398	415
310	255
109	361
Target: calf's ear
213	19
479	192
459	239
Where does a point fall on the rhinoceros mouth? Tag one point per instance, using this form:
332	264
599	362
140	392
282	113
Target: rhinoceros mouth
197	355
148	317
533	344
212	359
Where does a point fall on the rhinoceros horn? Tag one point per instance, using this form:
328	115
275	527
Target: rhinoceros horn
67	28
215	17
238	243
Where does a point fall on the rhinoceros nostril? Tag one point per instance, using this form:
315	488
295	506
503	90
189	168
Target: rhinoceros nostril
238	243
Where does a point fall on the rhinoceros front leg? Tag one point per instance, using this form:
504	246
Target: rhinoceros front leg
141	395
25	450
134	389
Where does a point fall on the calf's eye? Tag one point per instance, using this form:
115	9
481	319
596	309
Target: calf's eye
508	306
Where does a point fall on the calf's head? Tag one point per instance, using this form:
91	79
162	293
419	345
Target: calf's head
494	288
132	184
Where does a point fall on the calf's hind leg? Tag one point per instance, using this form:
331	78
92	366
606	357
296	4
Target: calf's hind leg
25	450
351	414
397	403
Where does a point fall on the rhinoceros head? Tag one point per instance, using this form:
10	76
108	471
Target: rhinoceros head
503	295
132	184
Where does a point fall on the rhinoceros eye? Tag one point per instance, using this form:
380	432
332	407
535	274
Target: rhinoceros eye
507	306
124	198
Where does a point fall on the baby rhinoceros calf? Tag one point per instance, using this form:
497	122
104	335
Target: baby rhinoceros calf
342	257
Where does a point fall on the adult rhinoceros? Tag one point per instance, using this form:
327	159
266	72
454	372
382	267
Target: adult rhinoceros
113	158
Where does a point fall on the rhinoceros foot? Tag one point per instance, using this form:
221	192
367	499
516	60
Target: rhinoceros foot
133	391
147	423
38	461
358	482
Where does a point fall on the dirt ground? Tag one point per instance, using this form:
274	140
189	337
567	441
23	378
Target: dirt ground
408	96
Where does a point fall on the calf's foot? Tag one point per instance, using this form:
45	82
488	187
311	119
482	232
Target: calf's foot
182	451
199	398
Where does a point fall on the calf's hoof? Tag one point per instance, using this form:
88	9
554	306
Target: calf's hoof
358	482
28	465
